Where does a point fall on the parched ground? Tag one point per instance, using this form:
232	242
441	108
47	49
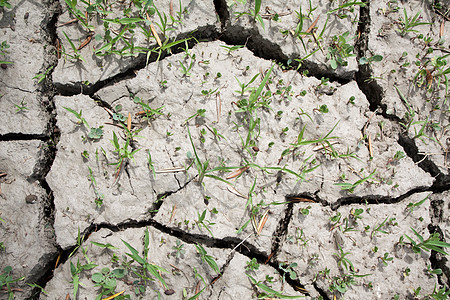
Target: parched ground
224	149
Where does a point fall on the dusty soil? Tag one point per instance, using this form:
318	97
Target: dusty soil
217	150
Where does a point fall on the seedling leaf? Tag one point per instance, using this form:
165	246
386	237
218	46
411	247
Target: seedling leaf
134	254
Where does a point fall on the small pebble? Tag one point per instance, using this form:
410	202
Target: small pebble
169	292
4	66
30	199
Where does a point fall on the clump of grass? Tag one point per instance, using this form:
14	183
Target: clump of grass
340	49
407	24
254	13
123	152
433	242
94	133
6	280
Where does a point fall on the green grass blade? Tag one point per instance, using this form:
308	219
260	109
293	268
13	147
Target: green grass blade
70	42
146	243
134	254
344	185
154	270
270	291
434	248
439	244
362	4
243	227
410	239
257	6
408	106
106	246
417	235
332	129
300	135
76	283
254	96
78	115
115	141
212	263
217	178
365	178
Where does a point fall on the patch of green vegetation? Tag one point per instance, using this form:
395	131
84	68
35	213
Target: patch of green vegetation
7	280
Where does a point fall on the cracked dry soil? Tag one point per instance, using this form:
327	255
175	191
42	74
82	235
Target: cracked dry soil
237	163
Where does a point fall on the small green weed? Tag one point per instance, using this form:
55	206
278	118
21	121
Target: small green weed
370	60
209	92
78	116
3	49
78	14
22	107
254	13
441	294
104	246
232	48
179	249
201	222
207	258
196	275
323	109
409	114
77	270
107	281
6	280
202	168
298	31
339	50
41	76
244	86
438	73
76	53
378	229
300	237
432	243
350	187
149	113
150	163
408	23
123	152
185	70
267	292
37	286
95	133
345	7
386	258
288	269
249	107
146	271
344	282
98	196
252	265
5	3
343	261
412	205
200	113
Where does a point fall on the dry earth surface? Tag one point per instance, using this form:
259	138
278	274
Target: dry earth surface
224	149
